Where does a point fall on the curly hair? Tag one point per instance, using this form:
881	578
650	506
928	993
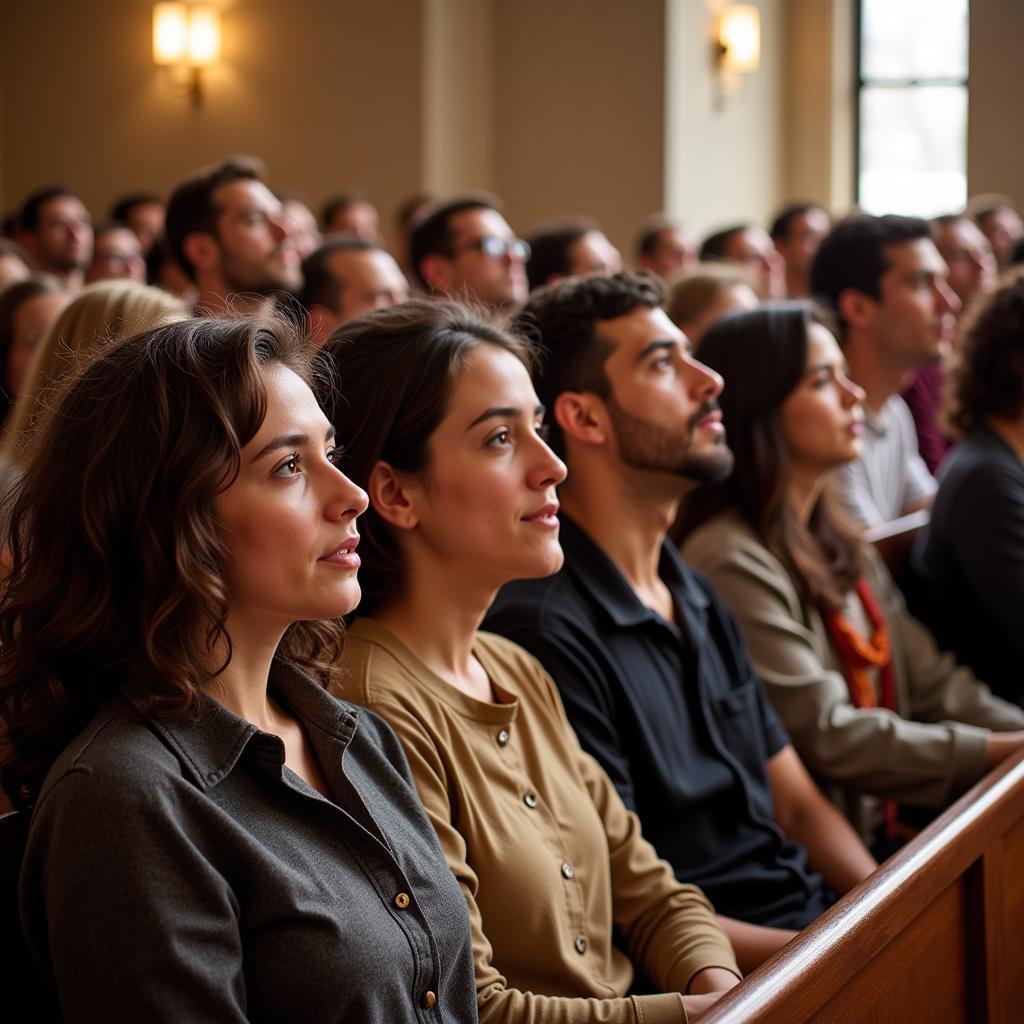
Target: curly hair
563	320
398	366
987	377
117	589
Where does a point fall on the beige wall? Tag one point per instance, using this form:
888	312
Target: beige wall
599	107
818	97
327	91
724	157
580	110
459	98
557	105
995	142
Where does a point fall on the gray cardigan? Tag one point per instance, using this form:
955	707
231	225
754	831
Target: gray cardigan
178	870
926	754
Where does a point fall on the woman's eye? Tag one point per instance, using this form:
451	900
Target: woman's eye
290	467
544	431
500	439
334	455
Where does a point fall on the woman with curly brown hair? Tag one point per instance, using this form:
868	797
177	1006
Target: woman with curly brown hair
213	836
875	710
969	565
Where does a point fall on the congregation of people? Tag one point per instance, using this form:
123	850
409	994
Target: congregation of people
448	624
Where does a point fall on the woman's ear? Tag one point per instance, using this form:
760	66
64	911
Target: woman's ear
581	416
389	498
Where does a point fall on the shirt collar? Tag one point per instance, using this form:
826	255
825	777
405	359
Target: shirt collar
878	422
599	578
210	743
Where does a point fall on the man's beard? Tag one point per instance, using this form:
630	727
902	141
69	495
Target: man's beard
648	446
270	282
62	264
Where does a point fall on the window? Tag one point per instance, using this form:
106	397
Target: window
912	107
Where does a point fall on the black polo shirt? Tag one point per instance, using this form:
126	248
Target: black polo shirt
678	719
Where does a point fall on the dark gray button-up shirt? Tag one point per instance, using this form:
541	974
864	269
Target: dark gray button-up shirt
178	870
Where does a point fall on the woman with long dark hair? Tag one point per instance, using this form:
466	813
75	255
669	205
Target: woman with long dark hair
445	432
871	704
213	836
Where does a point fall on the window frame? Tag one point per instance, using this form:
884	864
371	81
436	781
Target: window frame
861	82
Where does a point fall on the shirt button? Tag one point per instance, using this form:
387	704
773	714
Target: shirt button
402	900
580	944
567	871
503	738
530	800
429	1000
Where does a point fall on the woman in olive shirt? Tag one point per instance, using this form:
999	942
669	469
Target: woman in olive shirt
444	430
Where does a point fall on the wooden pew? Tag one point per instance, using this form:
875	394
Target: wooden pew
894	541
936	934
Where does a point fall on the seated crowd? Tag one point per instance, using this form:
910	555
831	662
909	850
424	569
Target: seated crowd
469	628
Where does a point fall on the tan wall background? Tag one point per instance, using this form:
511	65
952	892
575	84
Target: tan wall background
724	159
995	141
326	91
599	107
581	108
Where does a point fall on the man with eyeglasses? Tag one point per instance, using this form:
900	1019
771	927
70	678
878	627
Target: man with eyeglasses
464	249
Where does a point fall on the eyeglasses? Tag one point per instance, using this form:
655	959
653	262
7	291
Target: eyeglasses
495	248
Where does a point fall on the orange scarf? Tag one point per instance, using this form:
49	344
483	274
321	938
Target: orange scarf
859	656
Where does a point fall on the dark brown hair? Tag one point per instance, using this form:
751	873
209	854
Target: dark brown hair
431	231
762	354
987	378
551	249
192	206
117	586
397	368
564	321
856	254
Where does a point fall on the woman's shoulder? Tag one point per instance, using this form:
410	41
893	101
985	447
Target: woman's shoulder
980	467
376	666
116	761
740	567
727	539
514	660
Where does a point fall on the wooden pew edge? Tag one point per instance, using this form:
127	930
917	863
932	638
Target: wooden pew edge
873	913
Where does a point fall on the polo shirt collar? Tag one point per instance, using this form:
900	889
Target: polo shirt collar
210	743
599	577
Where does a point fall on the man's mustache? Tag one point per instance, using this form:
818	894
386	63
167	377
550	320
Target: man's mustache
711	405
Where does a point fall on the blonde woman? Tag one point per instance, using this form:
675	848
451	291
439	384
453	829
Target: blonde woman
103	313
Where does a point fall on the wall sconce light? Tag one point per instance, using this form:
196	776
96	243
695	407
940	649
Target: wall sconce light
186	37
736	50
739	39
